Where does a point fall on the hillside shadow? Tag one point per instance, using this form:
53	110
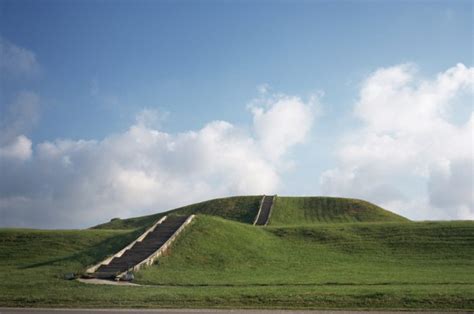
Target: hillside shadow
93	254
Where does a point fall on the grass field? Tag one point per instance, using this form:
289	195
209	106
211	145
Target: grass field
225	263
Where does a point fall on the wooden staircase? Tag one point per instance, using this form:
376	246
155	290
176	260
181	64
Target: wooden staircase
142	251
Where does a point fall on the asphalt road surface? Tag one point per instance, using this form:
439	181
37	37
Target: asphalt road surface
192	311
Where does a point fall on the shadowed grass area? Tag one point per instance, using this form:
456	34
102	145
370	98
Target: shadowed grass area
30	248
237	208
222	263
310	210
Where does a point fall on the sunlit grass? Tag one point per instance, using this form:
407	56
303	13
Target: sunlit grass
220	263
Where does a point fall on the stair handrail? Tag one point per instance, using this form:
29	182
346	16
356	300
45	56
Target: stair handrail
153	256
107	260
259	210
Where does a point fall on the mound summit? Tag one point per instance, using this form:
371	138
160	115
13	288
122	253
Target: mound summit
286	211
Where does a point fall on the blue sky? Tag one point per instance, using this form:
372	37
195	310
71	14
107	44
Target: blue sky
97	64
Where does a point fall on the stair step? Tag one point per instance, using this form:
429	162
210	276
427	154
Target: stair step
142	249
264	214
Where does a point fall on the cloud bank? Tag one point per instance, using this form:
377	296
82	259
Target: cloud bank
77	183
410	138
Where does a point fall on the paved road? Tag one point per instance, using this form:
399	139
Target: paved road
191	311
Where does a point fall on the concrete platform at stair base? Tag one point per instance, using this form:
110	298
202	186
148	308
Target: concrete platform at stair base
96	281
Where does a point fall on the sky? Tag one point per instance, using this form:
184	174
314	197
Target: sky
126	108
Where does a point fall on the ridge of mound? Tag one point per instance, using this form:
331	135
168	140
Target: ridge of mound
286	211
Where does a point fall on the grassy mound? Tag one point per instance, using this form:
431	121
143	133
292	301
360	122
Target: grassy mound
310	210
317	252
215	251
237	208
227	264
286	211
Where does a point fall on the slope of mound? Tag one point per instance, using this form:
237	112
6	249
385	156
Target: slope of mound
226	264
309	210
215	251
238	208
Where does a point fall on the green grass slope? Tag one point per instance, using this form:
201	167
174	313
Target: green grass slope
223	263
286	211
237	208
310	210
33	262
391	264
215	251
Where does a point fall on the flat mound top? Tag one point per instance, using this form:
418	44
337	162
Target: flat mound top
286	211
310	210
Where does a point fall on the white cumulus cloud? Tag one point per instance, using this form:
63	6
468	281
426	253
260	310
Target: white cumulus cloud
21	116
19	148
76	183
282	121
409	155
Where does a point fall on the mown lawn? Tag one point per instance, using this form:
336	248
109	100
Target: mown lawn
221	263
217	251
319	209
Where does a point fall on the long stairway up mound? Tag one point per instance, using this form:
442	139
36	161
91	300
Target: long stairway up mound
142	251
265	210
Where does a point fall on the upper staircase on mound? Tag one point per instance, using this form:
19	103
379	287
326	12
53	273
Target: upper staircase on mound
143	251
264	211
